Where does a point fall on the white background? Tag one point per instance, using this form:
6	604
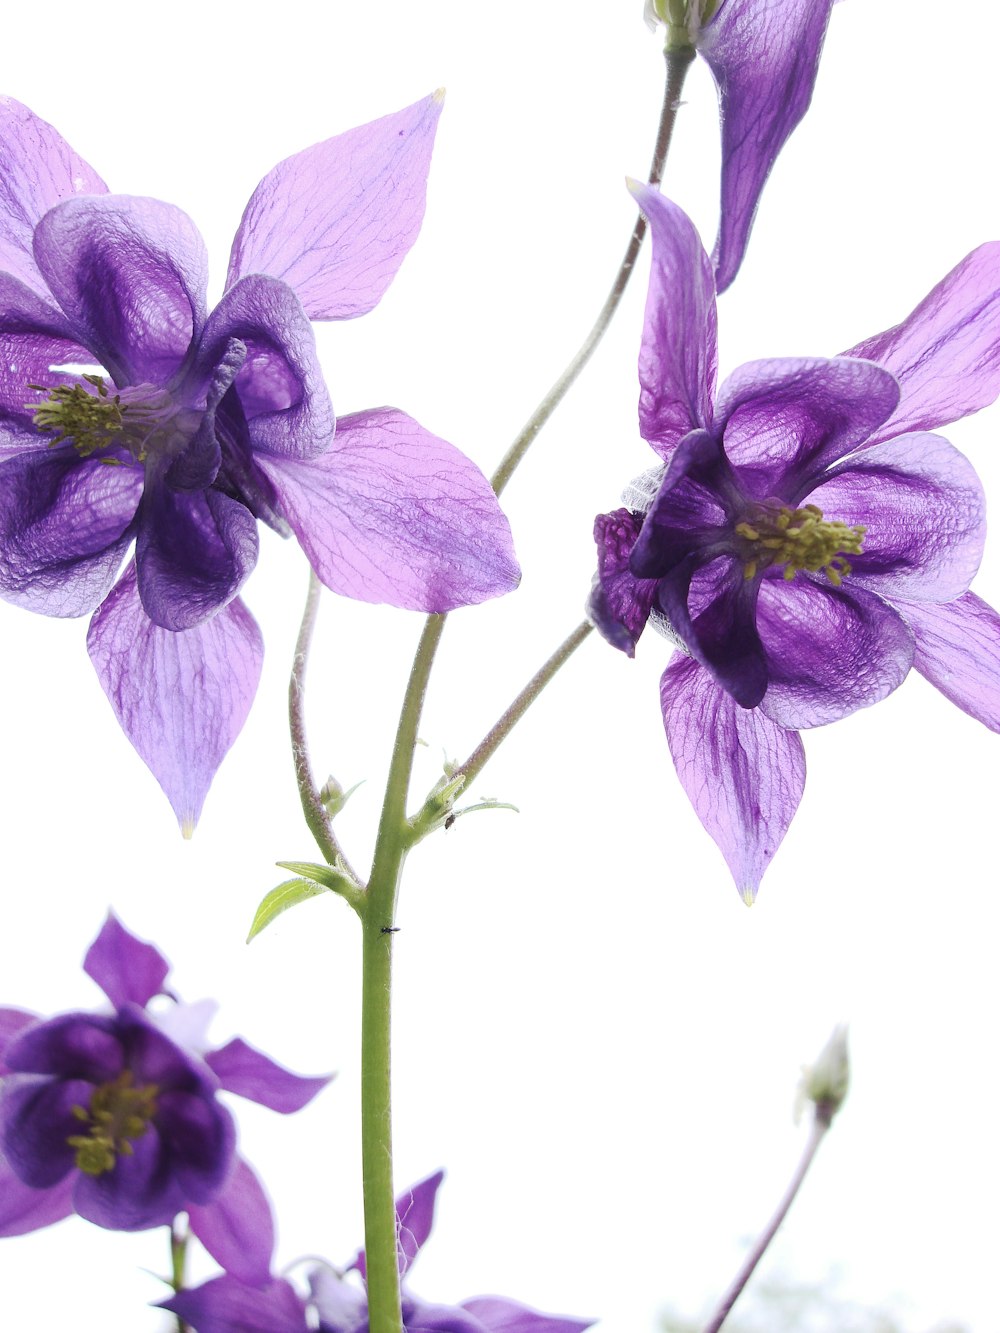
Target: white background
592	1033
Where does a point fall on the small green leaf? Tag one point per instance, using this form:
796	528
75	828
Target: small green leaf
289	894
328	876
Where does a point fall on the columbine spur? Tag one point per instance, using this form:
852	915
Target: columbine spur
806	539
115	1115
130	413
226	1305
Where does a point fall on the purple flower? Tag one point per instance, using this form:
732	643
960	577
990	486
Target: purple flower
226	1305
805	540
129	413
763	57
116	1116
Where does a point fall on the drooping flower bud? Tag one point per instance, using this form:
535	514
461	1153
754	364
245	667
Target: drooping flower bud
825	1083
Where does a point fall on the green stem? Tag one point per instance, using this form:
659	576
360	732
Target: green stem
178	1257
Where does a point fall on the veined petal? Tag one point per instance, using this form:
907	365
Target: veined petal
180	698
946	354
497	1314
743	774
958	651
23	1209
764	58
829	650
678	358
125	968
249	1073
924	513
38	169
237	1227
225	1305
336	221
130	274
619	603
34	337
391	513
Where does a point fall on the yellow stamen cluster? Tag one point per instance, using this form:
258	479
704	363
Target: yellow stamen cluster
799	539
118	1113
95	419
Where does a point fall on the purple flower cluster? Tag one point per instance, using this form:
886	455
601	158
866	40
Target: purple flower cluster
130	414
116	1115
805	539
227	1305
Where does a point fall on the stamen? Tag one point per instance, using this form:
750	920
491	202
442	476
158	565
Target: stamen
118	1114
798	539
94	420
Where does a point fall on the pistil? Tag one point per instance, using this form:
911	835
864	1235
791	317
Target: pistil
798	539
119	1113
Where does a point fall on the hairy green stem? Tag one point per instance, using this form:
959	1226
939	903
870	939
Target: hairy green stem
178	1258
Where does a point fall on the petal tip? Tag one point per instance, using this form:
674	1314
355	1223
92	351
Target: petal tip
749	894
438	95
187	826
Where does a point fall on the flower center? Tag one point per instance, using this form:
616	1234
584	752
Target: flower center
137	420
118	1113
797	539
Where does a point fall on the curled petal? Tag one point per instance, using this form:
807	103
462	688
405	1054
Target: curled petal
38	169
130	274
619	602
743	773
764	58
34	337
137	1193
336	221
391	513
678	359
74	1045
181	699
497	1314
125	968
946	354
37	1119
237	1227
958	650
23	1209
249	1073
12	1024
225	1305
199	1134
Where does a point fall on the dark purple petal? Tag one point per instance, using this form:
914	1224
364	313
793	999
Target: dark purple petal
422	1317
280	384
237	1227
743	774
764	58
23	1209
678	359
391	513
155	1057
65	526
130	274
924	512
497	1314
37	170
619	602
12	1023
200	1136
787	419
137	1193
181	699
689	511
125	968
36	1122
946	354
194	551
958	650
829	650
75	1045
225	1305
336	221
249	1073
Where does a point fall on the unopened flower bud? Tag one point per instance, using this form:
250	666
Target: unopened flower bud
825	1083
684	19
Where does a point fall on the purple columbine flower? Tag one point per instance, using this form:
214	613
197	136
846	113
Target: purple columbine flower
805	540
116	1116
129	413
763	57
226	1305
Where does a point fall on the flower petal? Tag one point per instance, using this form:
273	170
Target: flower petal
37	1117
225	1305
829	650
138	1192
340	1305
130	274
237	1227
249	1073
678	358
12	1024
743	774
336	221
125	968
619	602
946	353
181	699
924	513
391	513
497	1314
75	1045
23	1209
37	170
414	1219
764	58
958	651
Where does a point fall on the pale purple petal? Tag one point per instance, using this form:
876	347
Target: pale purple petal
130	274
37	170
946	354
23	1209
249	1073
829	650
497	1314
743	774
182	698
924	512
12	1023
341	1306
678	358
225	1305
958	650
336	221
125	968
619	602
764	57
391	513
237	1228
